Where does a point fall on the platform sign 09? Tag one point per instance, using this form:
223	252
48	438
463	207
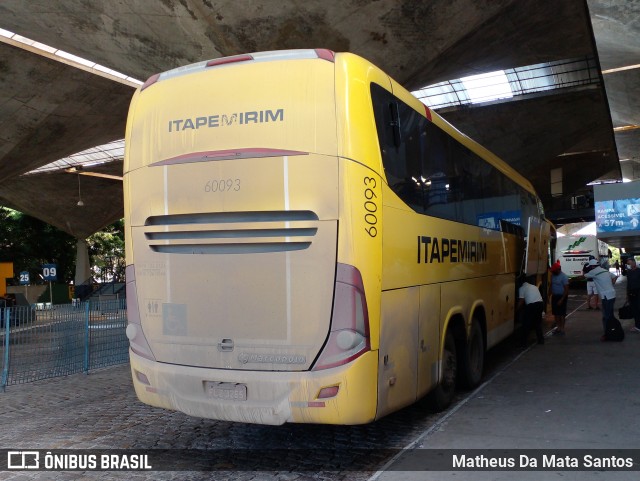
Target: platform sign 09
50	272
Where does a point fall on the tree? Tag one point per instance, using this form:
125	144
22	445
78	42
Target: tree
106	253
29	243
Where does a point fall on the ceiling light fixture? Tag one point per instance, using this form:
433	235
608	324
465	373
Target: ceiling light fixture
58	55
620	69
80	203
624	128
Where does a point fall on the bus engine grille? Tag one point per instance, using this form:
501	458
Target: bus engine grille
231	232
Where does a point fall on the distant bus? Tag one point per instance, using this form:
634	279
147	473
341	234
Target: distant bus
307	242
574	251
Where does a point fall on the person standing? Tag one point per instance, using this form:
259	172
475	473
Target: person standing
529	297
633	291
559	295
617	266
592	292
604	280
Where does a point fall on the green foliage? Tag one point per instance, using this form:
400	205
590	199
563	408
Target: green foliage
615	255
106	251
60	294
29	243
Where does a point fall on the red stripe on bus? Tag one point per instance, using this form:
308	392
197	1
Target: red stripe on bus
226	60
427	112
326	54
226	155
150	81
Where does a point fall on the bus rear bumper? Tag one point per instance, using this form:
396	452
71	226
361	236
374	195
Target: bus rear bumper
271	397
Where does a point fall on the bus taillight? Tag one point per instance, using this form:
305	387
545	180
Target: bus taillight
349	334
137	340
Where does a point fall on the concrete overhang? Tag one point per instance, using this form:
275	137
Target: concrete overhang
50	110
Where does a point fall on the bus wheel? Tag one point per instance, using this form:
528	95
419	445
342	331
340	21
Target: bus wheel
473	359
443	393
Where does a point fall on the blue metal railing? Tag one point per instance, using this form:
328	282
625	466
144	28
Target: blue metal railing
61	340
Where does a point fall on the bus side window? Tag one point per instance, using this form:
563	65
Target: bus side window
385	110
443	188
395	125
435	174
398	134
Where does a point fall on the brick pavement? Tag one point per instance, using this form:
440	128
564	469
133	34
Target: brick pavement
101	411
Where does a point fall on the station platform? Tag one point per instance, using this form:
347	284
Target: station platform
575	392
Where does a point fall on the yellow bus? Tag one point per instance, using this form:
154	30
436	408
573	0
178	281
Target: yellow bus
307	242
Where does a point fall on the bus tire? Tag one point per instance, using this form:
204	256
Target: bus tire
473	357
443	393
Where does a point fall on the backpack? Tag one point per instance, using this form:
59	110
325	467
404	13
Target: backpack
614	331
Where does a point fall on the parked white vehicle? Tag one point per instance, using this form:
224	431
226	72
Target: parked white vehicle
574	251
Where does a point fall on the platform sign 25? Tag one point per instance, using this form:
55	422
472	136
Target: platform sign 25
24	278
50	272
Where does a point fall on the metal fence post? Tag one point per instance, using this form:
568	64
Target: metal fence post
5	361
86	337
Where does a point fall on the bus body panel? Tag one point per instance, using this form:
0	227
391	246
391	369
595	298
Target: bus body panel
278	183
429	335
360	234
494	296
468	273
202	269
272	397
261	105
398	357
357	138
211	235
361	213
411	340
425	250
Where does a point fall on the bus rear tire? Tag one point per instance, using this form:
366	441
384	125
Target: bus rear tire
443	393
473	358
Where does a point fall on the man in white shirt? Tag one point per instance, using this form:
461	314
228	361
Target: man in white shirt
604	280
529	297
592	292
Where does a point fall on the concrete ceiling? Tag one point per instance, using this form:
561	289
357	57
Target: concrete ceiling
49	110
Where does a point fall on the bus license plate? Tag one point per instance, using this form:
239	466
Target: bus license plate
227	390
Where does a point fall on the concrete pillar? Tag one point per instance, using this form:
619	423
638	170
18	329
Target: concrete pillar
83	271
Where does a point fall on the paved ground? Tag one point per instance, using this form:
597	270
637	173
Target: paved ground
575	392
100	411
572	392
